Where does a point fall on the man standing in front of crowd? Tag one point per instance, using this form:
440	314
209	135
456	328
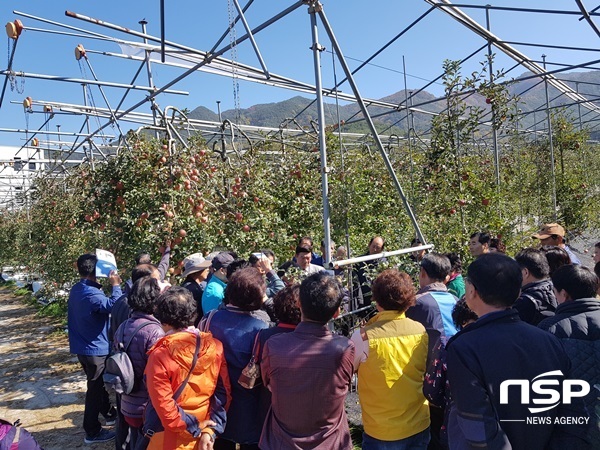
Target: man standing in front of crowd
498	347
88	318
303	258
308	372
554	234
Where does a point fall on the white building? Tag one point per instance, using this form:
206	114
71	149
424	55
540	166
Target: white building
17	168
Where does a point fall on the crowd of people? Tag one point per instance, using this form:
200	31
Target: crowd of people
243	355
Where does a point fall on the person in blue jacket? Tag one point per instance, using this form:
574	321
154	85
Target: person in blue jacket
88	318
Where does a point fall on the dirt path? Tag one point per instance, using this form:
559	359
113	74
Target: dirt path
41	383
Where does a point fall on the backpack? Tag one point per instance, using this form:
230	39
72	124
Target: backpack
12	437
118	372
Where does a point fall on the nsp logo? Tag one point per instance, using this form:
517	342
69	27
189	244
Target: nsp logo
546	387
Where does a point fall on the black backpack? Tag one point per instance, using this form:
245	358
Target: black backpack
118	373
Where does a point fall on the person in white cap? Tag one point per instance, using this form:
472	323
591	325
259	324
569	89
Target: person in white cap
195	272
554	234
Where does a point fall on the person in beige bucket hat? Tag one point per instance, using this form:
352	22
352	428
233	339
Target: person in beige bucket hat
554	234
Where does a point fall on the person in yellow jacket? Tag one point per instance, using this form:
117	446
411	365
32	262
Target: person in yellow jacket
199	413
391	359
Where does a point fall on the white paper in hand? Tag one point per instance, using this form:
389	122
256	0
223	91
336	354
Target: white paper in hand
106	263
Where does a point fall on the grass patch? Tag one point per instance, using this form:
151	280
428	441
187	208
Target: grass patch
21	291
56	309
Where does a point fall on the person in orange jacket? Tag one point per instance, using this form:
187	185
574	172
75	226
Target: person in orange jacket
199	414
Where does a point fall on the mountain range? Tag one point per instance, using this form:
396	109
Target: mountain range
531	95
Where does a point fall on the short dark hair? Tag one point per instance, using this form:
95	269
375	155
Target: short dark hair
534	260
246	289
306	238
482	236
497	279
577	280
556	256
142	258
286	305
301	249
597	245
143	295
436	266
498	245
461	314
235	266
382	240
86	264
176	307
597	269
142	270
393	290
320	297
455	262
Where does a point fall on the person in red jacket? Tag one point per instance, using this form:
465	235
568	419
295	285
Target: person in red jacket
199	414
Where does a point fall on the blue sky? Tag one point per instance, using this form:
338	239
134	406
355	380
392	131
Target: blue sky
360	27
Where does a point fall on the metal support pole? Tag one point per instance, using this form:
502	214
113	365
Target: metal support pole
313	9
491	74
408	116
87	126
222	128
551	142
578	106
8	70
370	123
112	114
143	23
251	37
162	30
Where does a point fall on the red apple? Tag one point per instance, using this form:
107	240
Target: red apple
246	228
485	201
182	233
239	217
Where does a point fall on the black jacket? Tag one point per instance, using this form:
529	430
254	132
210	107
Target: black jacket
499	347
577	325
536	302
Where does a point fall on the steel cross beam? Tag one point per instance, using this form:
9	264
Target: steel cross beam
450	9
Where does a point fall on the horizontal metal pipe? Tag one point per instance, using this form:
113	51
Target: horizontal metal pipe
365	258
56	133
84	81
